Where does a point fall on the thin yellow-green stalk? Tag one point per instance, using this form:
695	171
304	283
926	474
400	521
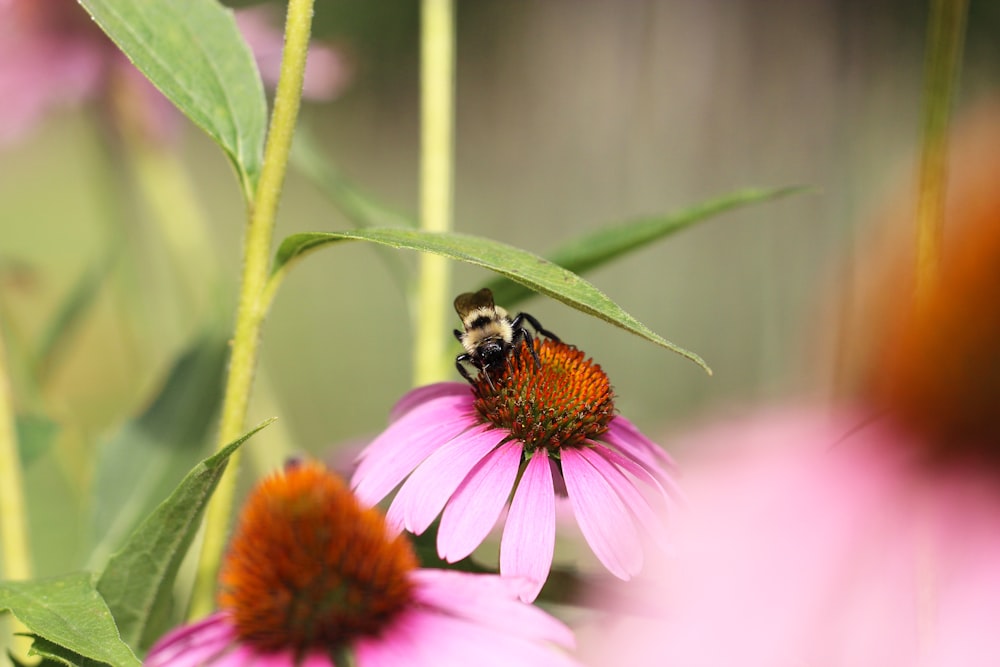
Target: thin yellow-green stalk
945	37
13	509
437	131
251	308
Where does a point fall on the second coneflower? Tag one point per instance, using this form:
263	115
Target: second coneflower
312	579
530	431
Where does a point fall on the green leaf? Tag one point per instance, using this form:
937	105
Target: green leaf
70	314
54	655
137	582
35	435
68	611
359	207
139	465
525	268
193	52
604	245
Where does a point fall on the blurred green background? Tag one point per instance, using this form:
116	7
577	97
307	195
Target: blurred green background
571	115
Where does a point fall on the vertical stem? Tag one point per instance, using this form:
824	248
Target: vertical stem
16	558
437	134
945	37
251	307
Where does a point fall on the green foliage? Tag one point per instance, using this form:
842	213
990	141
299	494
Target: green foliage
35	435
70	314
146	458
614	241
137	582
192	51
54	655
525	268
68	612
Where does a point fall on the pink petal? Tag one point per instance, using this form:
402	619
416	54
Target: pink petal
423	495
317	660
529	537
489	600
477	503
400	448
623	434
603	519
455	641
644	455
192	645
639	471
396	645
651	520
427	415
428	392
244	656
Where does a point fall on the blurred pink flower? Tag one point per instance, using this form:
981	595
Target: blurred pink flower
53	55
311	576
866	537
820	541
550	426
327	72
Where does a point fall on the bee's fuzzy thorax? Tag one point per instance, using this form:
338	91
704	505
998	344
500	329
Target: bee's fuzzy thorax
485	323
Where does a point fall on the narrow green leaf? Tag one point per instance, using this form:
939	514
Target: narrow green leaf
525	268
35	435
54	655
70	314
193	52
137	582
604	245
68	611
141	463
360	208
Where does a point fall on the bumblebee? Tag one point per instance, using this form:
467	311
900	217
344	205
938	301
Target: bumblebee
490	334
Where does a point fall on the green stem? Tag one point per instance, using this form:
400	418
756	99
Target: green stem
16	559
13	511
437	81
945	37
250	310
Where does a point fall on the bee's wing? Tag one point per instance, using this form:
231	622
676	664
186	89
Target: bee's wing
469	301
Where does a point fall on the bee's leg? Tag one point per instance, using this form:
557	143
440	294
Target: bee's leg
517	323
461	369
458	335
529	340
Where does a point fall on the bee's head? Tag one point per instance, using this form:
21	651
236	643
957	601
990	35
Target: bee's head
491	351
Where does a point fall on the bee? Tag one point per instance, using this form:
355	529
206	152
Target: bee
490	334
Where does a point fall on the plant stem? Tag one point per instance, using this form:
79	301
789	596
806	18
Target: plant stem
16	558
437	133
945	37
13	510
251	309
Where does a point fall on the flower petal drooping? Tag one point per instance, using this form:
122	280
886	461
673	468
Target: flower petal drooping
529	537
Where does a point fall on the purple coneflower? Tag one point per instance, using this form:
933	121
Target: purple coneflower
544	428
313	579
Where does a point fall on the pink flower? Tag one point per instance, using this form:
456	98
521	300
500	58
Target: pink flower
312	580
819	540
870	536
53	55
549	425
